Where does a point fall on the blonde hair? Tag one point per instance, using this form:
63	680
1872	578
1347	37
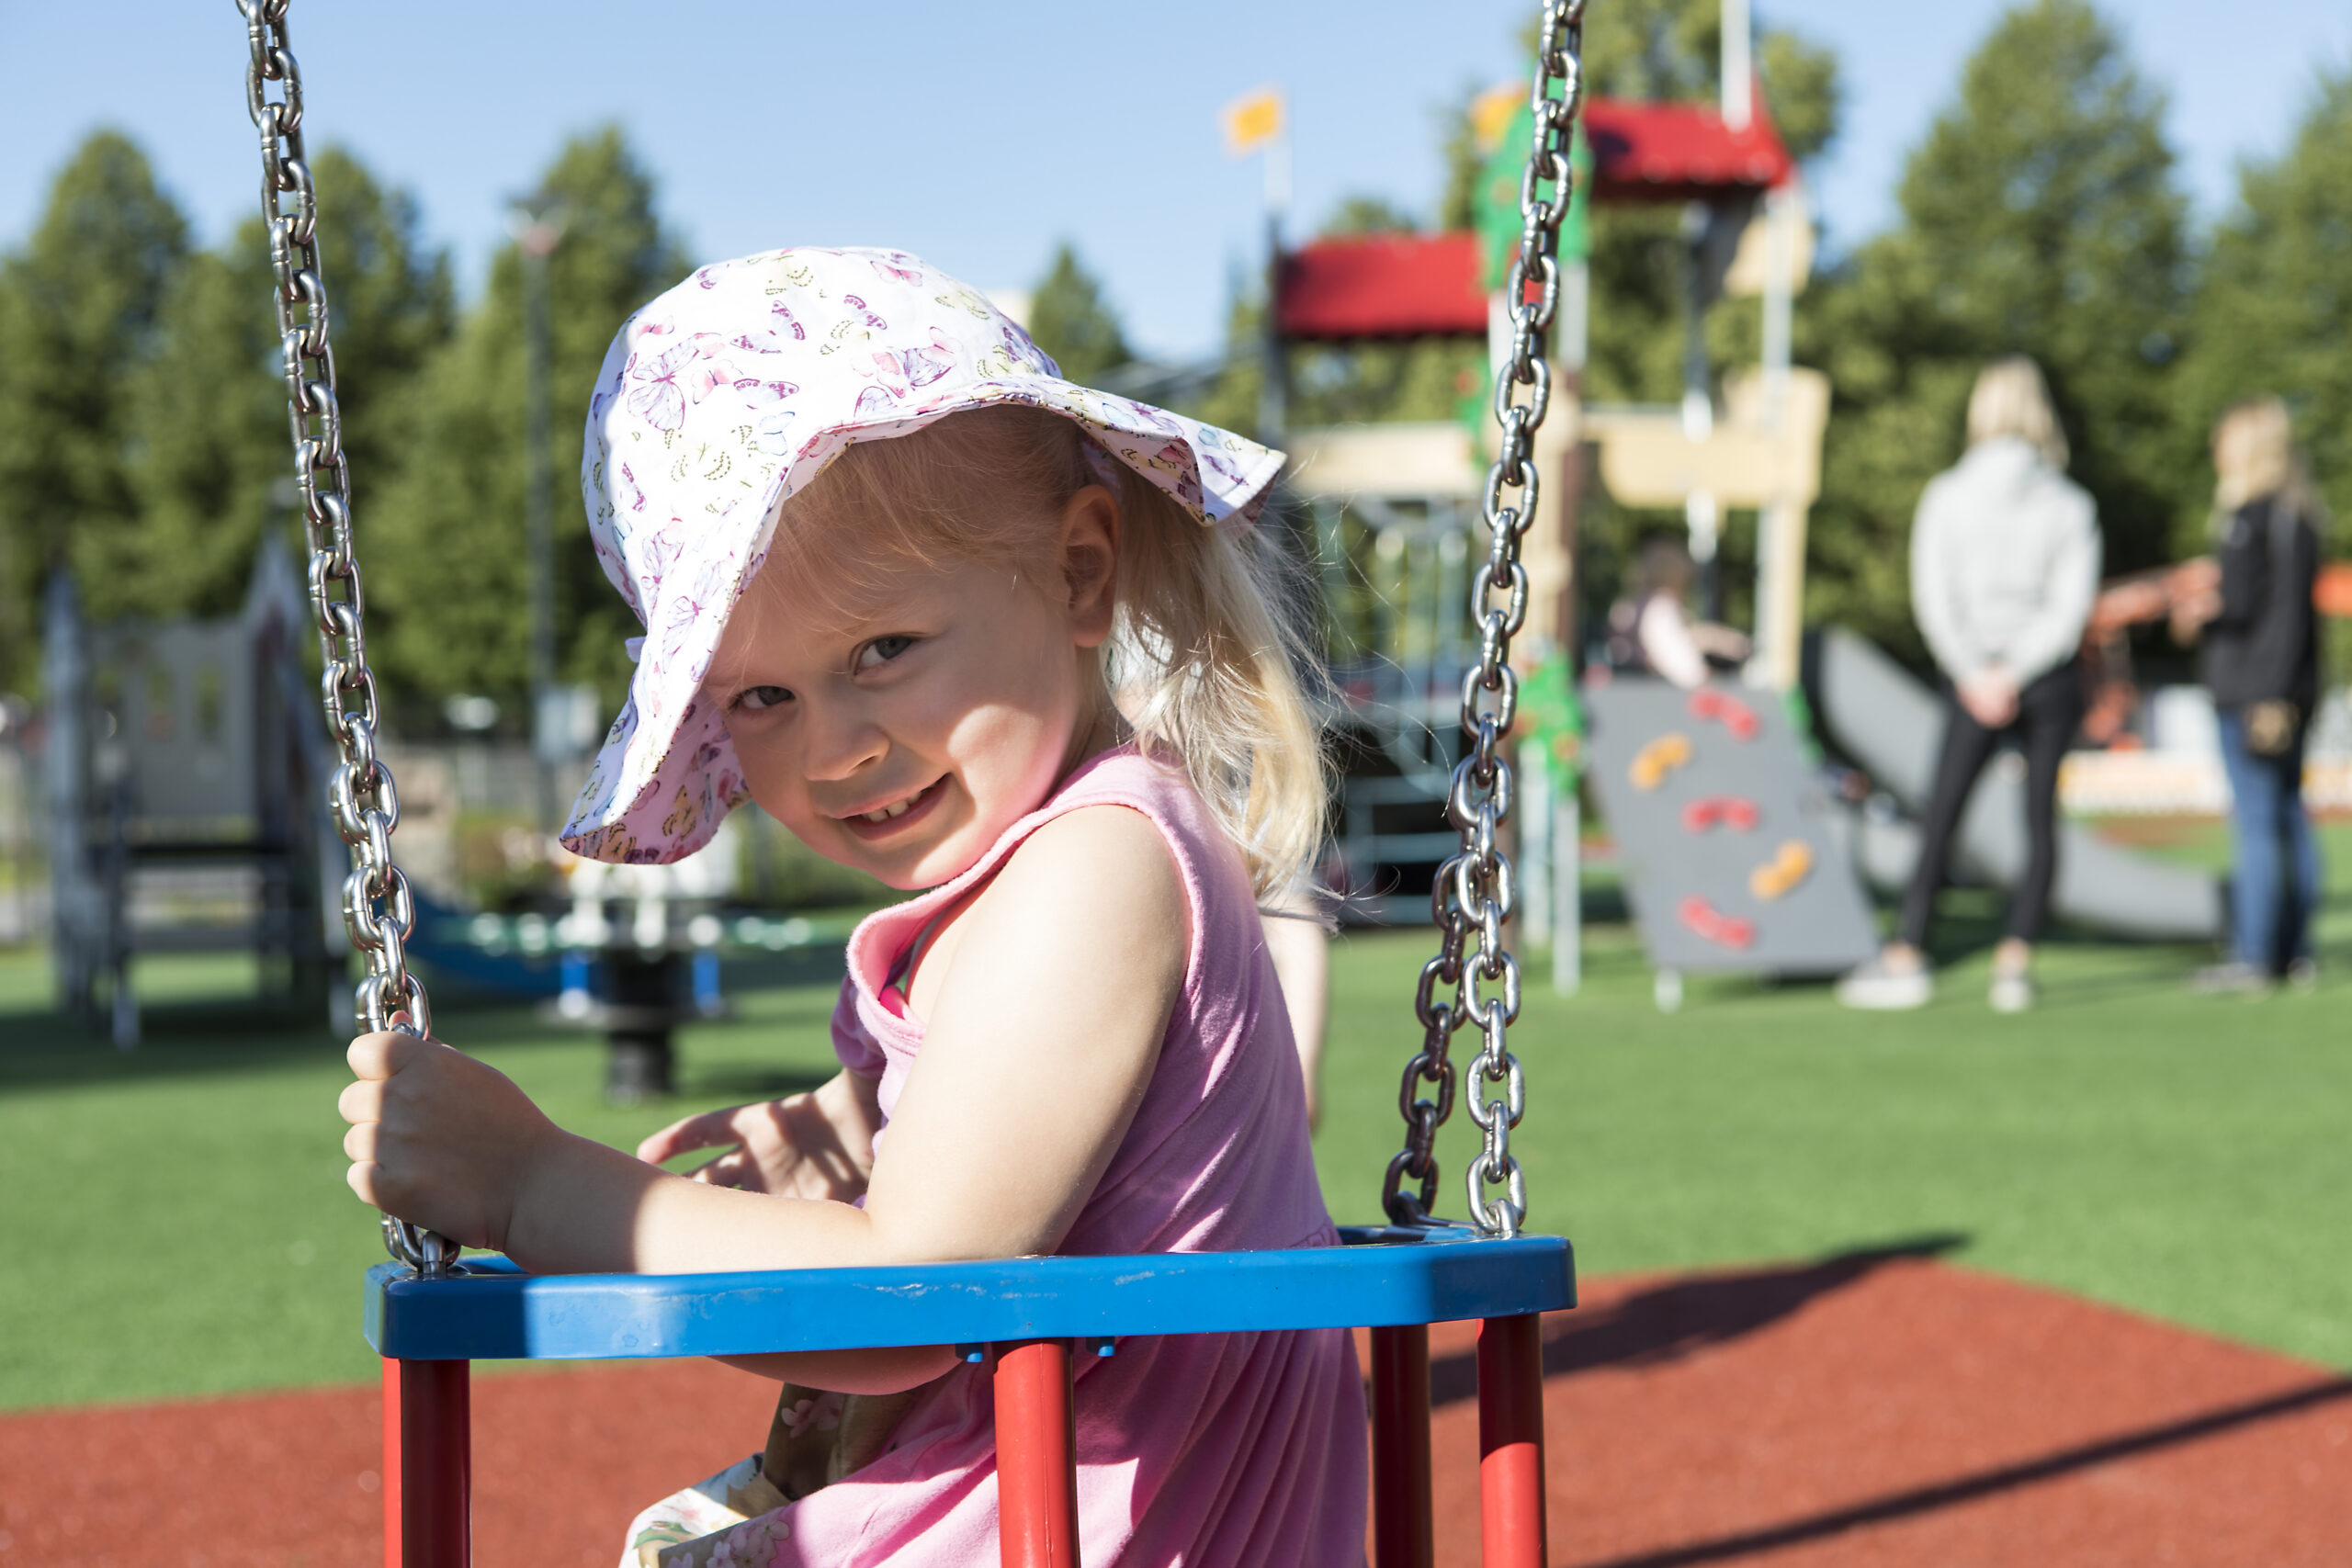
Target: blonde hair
1208	647
2010	399
2255	456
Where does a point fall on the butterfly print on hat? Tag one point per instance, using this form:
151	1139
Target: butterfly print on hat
770	434
660	402
634	494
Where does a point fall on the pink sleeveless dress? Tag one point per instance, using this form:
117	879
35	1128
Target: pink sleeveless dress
1220	1451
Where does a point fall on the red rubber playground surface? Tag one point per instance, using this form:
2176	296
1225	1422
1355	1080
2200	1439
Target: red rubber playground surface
1877	1408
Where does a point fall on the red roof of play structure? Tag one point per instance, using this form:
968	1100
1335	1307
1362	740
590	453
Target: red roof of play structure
1679	152
1384	286
1421	285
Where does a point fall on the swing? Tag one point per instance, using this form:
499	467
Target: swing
430	1317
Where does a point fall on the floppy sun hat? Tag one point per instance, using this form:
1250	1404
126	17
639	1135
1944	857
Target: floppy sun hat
731	392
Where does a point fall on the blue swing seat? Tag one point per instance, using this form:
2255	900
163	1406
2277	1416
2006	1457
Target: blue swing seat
1383	1277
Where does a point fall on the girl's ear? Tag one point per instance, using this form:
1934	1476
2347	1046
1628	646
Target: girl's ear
1090	549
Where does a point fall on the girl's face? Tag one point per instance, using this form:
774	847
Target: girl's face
904	733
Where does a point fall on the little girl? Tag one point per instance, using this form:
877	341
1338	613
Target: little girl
892	570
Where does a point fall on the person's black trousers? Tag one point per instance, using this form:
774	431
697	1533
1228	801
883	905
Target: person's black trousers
2049	711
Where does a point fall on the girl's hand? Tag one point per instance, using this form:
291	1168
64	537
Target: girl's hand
437	1138
818	1144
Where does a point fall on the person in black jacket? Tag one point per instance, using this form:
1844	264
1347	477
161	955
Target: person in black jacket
2253	607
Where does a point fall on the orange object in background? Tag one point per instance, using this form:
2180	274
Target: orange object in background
1783	872
1660	758
2332	594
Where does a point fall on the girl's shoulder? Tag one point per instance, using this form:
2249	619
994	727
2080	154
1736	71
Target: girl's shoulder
1125	847
1120	841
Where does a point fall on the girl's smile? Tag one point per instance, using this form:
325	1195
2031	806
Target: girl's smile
900	815
903	732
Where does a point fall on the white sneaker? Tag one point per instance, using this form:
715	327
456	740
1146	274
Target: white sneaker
2012	993
1879	987
2237	977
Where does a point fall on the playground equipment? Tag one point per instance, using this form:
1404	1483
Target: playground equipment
636	979
186	788
635	955
1395	557
1730	852
1406	489
430	1316
1892	725
1756	444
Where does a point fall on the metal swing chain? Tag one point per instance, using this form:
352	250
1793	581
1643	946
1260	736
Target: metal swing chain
378	908
1473	896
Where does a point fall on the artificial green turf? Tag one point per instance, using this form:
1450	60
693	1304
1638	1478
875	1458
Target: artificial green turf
173	1221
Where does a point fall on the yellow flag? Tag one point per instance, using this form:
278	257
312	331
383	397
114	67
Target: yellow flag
1491	111
1252	120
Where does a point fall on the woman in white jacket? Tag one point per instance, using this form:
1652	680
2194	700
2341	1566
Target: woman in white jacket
2005	563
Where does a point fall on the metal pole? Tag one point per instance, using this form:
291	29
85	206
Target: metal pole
1700	512
1781	525
1510	1442
1274	394
436	1464
1568	890
538	228
1739	71
1037	1475
391	1463
1402	1518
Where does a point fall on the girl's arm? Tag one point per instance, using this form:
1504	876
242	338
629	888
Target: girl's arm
1301	950
1044	1037
1664	630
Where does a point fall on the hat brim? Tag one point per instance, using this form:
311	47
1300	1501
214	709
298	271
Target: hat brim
667	773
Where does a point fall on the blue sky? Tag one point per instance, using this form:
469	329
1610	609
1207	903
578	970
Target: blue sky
978	134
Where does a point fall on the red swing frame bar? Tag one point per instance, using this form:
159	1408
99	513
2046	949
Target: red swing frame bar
428	1452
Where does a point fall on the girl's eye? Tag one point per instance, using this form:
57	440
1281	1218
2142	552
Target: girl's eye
758	698
882	649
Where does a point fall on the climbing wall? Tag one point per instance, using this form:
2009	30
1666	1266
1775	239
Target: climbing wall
1730	856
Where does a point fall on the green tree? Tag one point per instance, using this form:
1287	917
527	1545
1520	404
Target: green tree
205	416
450	573
2274	311
209	457
78	308
1070	319
2039	216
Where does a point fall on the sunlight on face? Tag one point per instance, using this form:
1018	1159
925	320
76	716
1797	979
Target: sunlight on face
903	735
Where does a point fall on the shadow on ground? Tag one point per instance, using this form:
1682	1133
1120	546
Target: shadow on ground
1684	1318
1989	1482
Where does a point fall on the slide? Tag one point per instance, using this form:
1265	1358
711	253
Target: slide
1891	724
